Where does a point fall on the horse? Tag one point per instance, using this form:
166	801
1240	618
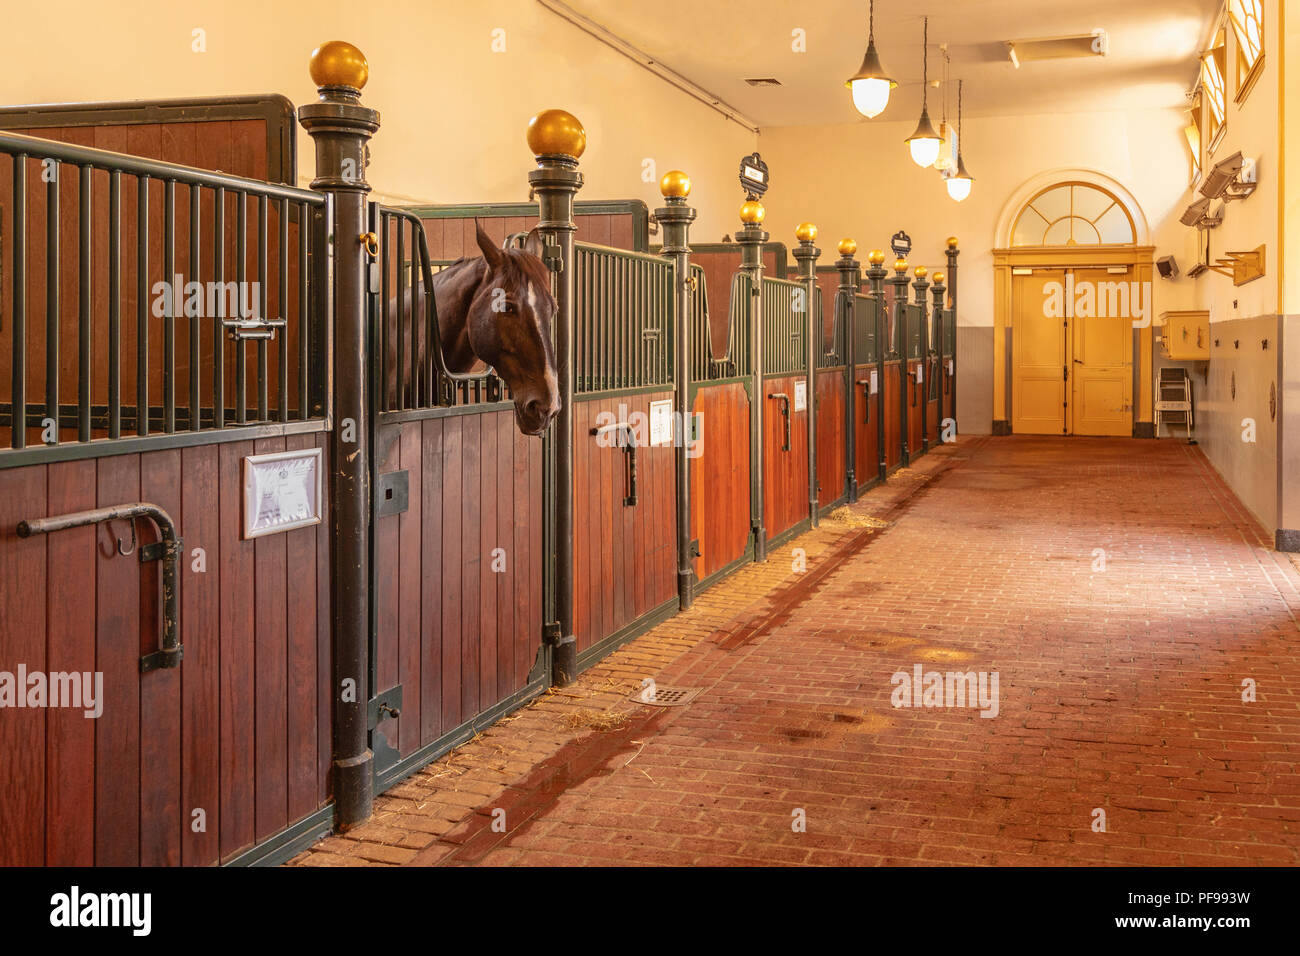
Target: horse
495	310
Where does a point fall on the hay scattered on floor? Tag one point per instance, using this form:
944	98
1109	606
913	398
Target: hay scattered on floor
601	721
845	516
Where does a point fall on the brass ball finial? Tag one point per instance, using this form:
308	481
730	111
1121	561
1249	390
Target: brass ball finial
875	257
922	272
952	242
752	212
556	133
806	232
900	265
847	247
675	184
339	63
938	278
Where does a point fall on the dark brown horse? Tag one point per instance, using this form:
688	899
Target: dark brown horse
496	310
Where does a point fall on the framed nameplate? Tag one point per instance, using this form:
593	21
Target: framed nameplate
282	491
661	423
800	396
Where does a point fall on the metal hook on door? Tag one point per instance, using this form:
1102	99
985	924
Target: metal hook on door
123	553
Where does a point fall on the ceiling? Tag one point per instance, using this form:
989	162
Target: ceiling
1151	62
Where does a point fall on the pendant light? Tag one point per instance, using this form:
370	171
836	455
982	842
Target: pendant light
924	143
959	183
870	85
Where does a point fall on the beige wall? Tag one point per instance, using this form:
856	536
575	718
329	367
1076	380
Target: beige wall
454	112
858	180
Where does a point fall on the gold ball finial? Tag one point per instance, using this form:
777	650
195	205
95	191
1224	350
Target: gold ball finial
952	242
339	63
752	212
900	265
556	133
922	272
806	232
675	184
875	257
847	247
938	278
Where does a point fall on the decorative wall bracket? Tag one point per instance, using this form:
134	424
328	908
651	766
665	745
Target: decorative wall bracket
1241	267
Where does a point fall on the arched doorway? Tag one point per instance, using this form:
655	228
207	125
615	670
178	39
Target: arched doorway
1072	309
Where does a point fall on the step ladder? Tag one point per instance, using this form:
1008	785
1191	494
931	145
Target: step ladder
1174	398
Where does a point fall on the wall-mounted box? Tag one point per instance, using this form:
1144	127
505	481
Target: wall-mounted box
1185	336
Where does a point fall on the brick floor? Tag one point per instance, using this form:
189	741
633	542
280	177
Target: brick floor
1118	590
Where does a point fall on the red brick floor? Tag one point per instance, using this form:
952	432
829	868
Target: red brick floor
1120	692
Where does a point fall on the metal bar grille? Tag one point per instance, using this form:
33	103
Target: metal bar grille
833	357
914	319
161	289
865	312
785	323
623	320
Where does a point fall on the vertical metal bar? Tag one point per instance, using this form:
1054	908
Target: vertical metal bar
196	400
219	313
52	300
305	330
169	318
115	304
401	314
263	274
142	306
385	221
18	420
415	320
282	348
83	302
241	286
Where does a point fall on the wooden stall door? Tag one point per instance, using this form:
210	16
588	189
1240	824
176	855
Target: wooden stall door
865	414
785	458
720	502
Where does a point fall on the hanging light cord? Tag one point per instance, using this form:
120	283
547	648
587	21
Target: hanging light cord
925	65
959	83
871	24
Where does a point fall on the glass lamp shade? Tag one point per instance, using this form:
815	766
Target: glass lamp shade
924	143
871	85
870	96
960	182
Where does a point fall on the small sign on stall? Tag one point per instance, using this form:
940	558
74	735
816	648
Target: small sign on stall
281	491
661	423
800	396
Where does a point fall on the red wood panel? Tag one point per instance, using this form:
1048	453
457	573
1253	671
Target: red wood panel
914	395
471	558
831	449
302	690
387	596
720	518
160	690
625	556
22	731
238	669
430	489
71	606
271	673
452	567
407	575
785	472
866	414
892	389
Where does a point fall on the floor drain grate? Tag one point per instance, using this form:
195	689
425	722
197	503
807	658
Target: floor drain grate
657	696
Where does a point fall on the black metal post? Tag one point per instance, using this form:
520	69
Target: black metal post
936	346
675	219
898	347
557	139
921	285
876	276
806	254
953	252
850	282
751	238
341	127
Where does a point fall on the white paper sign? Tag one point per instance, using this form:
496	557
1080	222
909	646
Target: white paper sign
800	396
949	366
875	384
281	491
920	374
661	423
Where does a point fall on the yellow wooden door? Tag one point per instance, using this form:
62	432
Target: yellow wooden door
1101	373
1039	357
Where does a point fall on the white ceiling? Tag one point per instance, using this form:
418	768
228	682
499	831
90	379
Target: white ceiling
717	44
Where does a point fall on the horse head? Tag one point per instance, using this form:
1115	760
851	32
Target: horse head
509	328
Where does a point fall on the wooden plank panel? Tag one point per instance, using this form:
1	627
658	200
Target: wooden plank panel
471	512
302	692
387	597
582	525
238	666
407	573
160	690
23	751
504	539
70	736
533	633
324	634
117	655
431	491
453	565
487	635
528	515
200	691
272	768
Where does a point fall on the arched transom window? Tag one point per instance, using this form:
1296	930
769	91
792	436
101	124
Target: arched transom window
1073	214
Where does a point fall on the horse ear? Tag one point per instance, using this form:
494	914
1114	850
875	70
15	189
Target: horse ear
533	243
491	253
